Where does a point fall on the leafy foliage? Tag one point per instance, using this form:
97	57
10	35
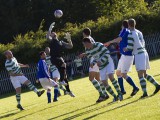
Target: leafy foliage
102	16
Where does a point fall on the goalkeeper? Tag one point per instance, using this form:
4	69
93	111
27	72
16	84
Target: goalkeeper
57	47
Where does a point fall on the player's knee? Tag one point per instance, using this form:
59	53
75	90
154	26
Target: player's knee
118	73
48	90
111	76
27	82
124	75
18	90
104	82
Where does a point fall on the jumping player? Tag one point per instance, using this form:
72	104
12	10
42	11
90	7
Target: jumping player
57	48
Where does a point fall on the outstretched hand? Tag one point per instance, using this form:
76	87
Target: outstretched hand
51	26
68	36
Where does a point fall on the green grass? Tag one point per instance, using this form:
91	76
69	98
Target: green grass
83	105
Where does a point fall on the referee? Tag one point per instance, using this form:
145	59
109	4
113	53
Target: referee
57	48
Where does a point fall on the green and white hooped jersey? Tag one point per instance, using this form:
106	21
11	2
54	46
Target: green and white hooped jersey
12	66
50	65
100	53
136	43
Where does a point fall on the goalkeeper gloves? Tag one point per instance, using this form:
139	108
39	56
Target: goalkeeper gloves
51	27
68	36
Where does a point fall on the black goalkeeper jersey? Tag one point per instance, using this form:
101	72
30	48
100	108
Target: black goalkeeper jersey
56	48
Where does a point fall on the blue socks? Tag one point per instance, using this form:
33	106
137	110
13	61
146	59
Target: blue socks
56	94
120	81
49	96
130	81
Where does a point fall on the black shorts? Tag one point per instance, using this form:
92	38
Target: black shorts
79	68
57	61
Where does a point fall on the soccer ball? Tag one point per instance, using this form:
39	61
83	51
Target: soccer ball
58	13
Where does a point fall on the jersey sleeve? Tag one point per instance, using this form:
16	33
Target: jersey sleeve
44	69
122	33
130	42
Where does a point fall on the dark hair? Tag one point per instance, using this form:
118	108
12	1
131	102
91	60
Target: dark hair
87	31
42	52
86	40
132	22
125	23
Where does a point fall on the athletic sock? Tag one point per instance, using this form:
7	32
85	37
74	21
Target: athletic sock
97	86
109	89
32	87
152	80
143	84
103	88
49	96
18	98
67	86
115	84
61	87
130	81
120	81
55	93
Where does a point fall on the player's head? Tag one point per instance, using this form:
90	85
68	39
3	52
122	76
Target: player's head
42	55
53	35
131	23
86	32
8	54
47	50
87	43
125	24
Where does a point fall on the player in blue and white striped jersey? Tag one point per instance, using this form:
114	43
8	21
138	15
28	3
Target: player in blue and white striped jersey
43	76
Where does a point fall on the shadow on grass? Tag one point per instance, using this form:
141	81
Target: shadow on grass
71	112
156	75
25	90
98	108
41	110
8	115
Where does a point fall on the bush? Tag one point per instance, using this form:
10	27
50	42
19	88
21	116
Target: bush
26	47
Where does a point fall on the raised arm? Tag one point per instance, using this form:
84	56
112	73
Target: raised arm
49	31
68	45
22	65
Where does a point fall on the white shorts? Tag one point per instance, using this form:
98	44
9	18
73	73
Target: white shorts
109	69
46	84
94	69
125	63
142	61
18	80
55	74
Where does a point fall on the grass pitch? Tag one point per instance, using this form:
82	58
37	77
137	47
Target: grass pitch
83	106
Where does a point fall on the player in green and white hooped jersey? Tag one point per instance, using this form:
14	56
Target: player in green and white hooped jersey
53	70
105	63
94	75
18	78
136	44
